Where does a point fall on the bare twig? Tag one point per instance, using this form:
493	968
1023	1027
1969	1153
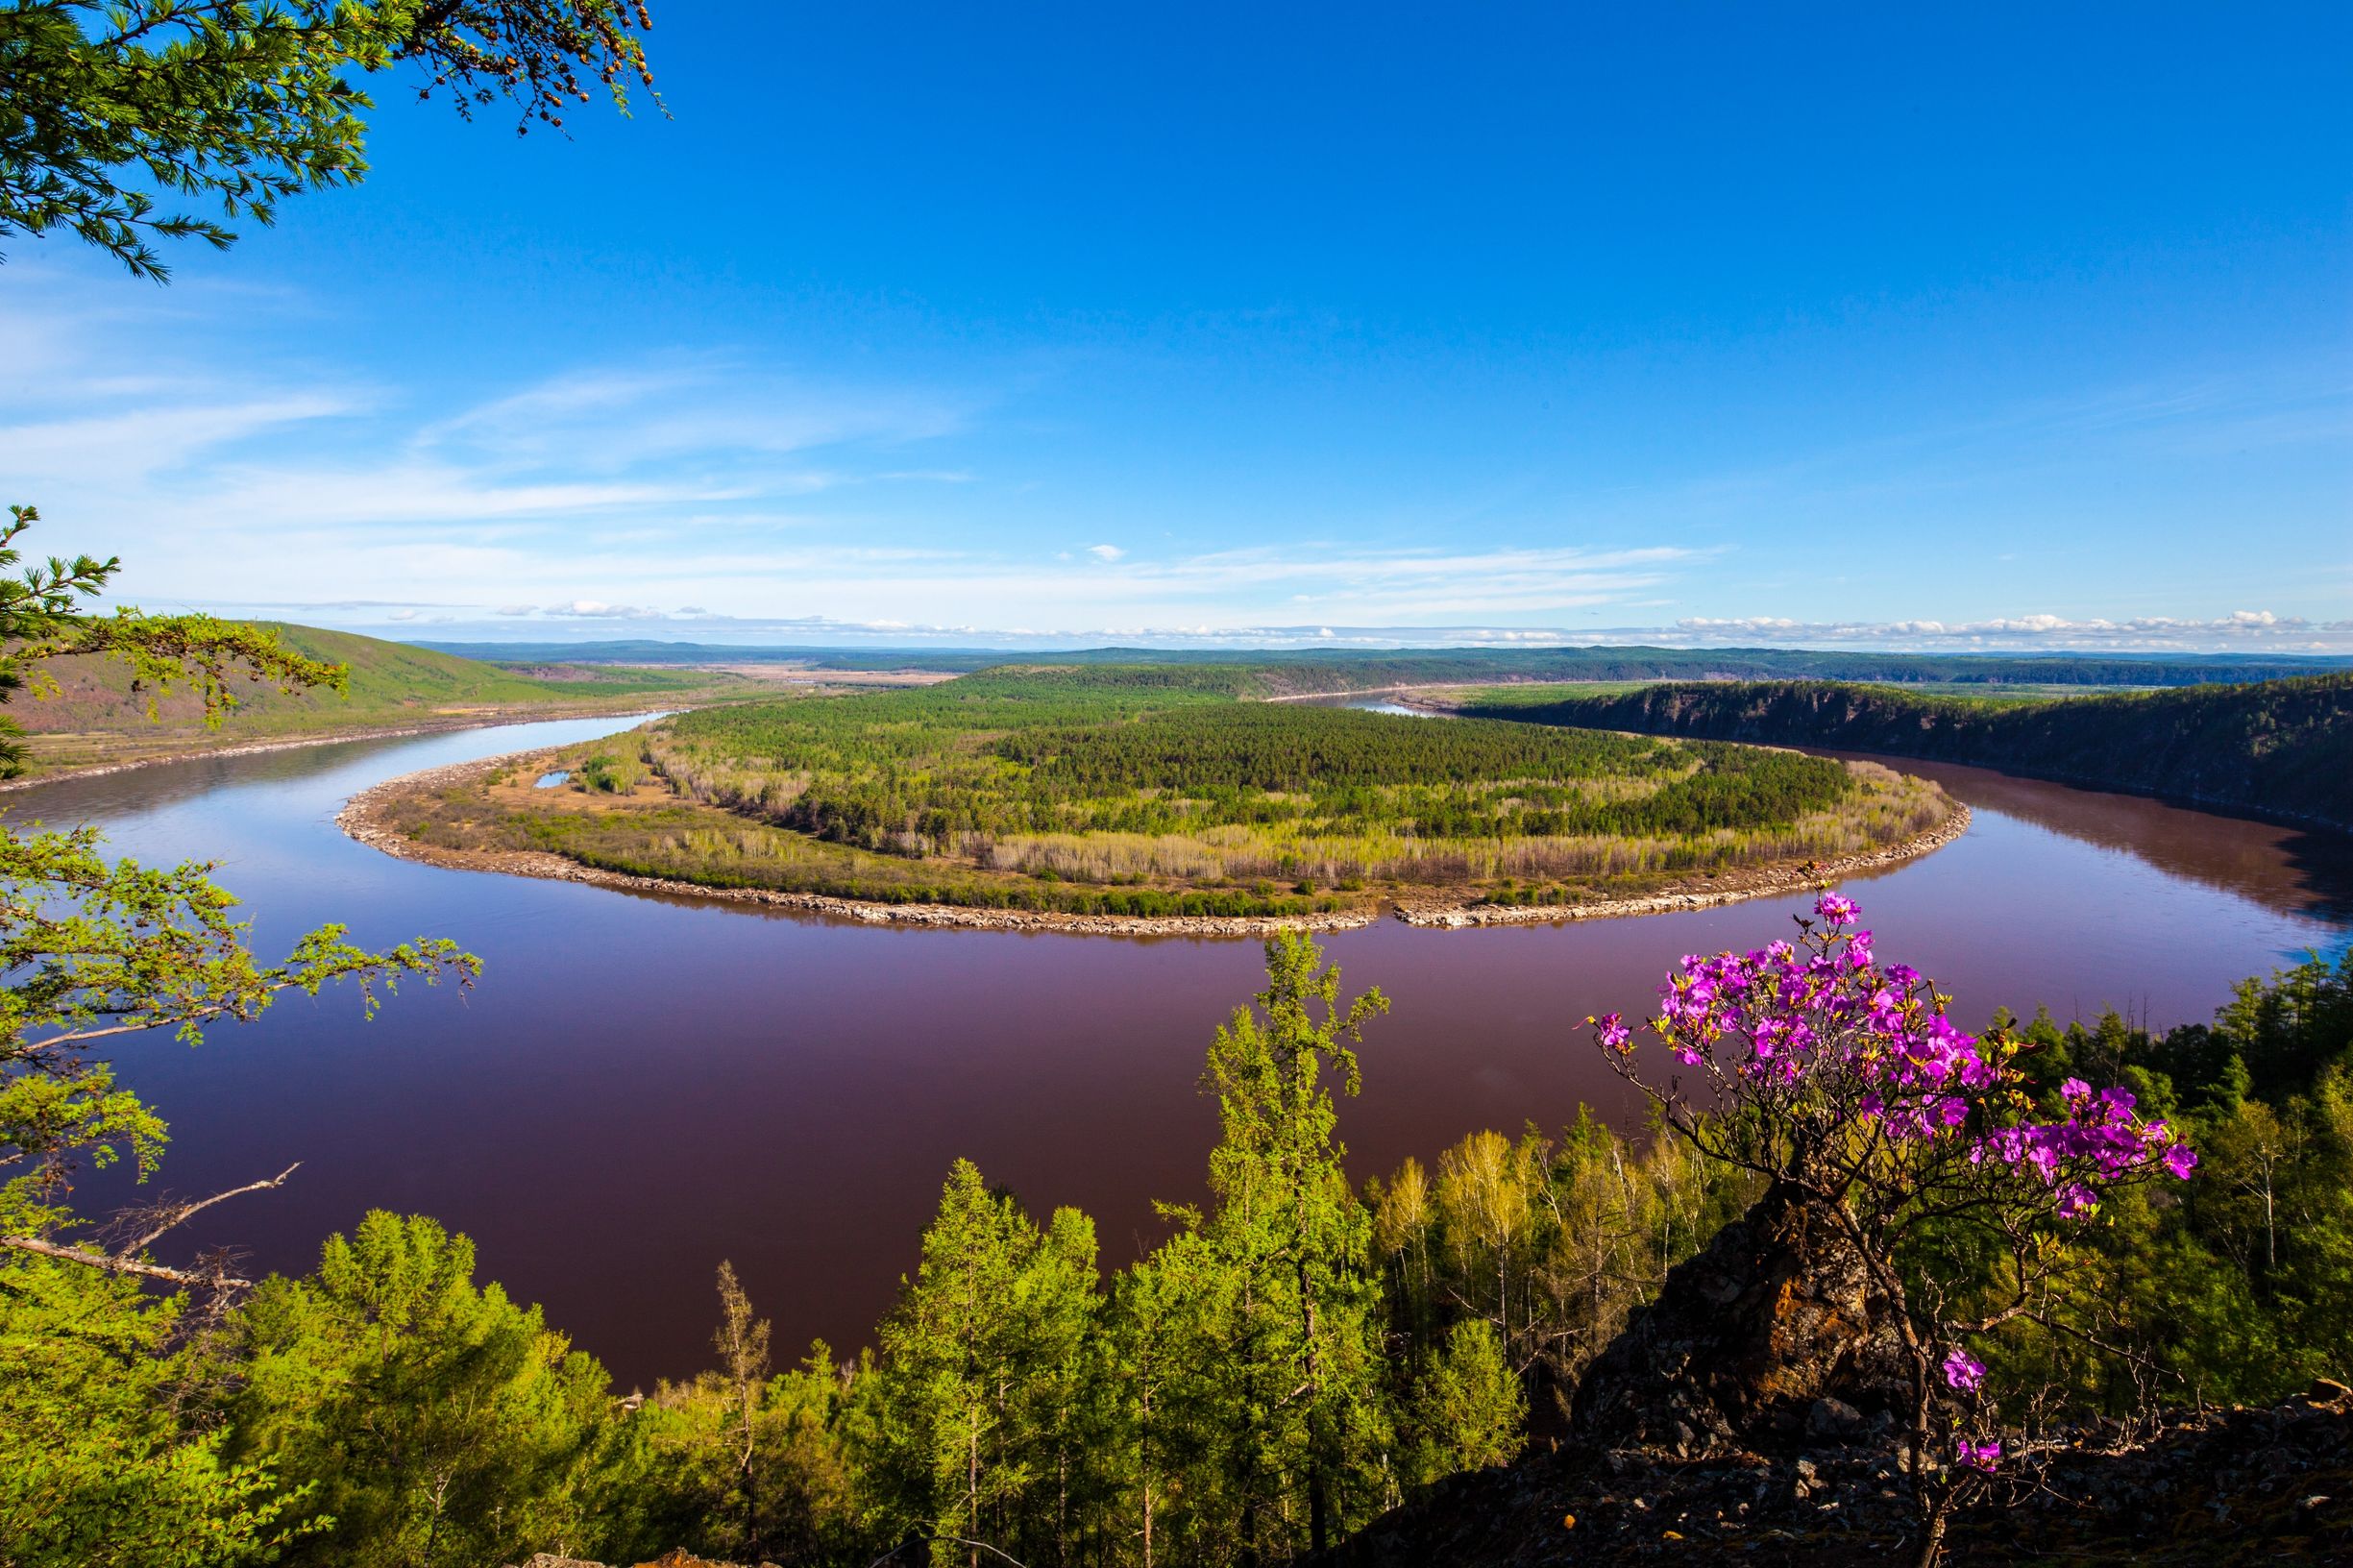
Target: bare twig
125	1259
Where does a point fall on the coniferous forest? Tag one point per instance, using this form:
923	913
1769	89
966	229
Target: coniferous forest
2281	747
1154	790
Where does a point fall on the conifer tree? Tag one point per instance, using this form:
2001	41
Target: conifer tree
1300	1434
981	1400
437	1423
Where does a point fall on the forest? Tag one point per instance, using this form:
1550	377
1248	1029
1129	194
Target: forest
2281	748
1153	790
1305	1349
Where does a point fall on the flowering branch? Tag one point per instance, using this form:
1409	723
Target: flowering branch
1844	1080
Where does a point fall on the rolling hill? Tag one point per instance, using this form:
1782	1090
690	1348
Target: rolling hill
83	712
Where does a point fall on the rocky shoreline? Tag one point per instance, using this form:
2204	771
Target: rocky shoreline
363	818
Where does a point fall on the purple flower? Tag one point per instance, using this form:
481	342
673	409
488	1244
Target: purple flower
1835	909
2074	1091
2181	1160
1979	1455
1963	1371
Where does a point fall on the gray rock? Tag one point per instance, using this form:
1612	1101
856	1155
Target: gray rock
1773	1320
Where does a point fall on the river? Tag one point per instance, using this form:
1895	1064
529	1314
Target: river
642	1085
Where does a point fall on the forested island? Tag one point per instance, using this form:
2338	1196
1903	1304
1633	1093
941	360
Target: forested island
2280	748
1156	791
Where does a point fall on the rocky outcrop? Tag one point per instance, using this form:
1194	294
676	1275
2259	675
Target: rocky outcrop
1751	1415
2237	1486
672	1559
1770	1338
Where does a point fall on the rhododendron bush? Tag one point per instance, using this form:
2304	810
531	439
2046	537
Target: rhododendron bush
1842	1079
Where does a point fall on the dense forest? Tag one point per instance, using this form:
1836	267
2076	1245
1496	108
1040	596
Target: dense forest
1305	1349
2281	747
1152	789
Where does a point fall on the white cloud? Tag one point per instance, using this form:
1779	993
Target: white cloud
2236	629
595	609
1106	553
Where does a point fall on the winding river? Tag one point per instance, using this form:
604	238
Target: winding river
642	1085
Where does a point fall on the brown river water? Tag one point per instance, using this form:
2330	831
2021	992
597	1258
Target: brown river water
643	1086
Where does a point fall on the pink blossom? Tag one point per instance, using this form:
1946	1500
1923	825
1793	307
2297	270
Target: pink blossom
1983	1456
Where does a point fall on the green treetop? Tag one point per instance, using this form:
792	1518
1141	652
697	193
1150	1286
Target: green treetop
122	119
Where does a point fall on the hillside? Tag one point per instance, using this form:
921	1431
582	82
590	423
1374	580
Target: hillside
86	714
2279	748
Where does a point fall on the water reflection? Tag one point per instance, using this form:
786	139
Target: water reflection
644	1084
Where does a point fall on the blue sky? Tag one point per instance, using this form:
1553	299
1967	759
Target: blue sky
2025	327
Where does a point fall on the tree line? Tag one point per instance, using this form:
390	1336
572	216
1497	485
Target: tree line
1105	752
2280	747
1301	1353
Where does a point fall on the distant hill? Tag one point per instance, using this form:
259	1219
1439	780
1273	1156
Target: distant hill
92	715
2281	748
1286	670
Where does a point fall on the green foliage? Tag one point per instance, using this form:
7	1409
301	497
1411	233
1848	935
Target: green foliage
1292	1323
114	107
1152	791
42	622
983	1394
1468	1410
96	950
2239	1288
437	1423
93	708
776	1485
108	1434
2279	746
1547	1244
106	1458
1147	752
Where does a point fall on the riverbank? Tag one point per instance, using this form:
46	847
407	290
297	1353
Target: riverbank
1719	888
44	770
368	817
2278	750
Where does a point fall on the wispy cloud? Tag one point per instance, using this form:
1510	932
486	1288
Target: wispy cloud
231	466
2239	629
